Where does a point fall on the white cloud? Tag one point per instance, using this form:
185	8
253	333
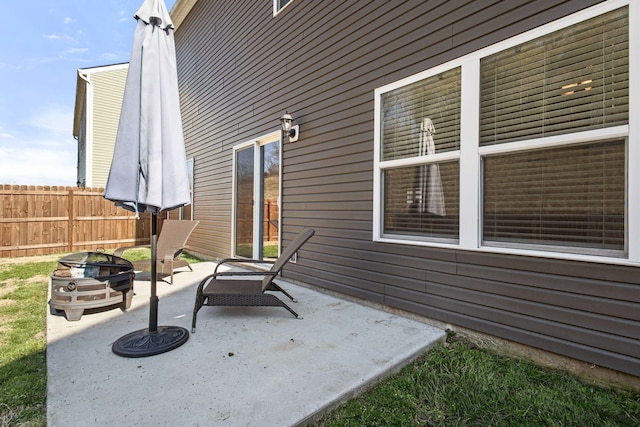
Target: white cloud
125	16
38	166
67	39
76	50
43	152
111	56
68	20
4	134
54	120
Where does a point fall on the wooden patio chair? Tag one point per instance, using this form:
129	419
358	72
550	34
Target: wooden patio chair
247	288
171	242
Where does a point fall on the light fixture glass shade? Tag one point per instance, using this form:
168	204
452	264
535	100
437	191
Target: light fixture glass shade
286	121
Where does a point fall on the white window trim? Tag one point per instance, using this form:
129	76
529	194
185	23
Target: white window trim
470	152
190	170
277	10
255	143
88	132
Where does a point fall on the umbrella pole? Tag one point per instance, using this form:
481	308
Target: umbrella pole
153	301
155	339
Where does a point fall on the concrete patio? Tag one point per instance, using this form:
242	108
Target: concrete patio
253	366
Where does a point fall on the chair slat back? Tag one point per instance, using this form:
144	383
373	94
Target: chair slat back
286	255
173	236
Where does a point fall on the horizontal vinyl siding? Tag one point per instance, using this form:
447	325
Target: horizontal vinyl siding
108	90
240	69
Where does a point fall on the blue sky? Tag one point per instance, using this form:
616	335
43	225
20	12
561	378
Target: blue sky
43	45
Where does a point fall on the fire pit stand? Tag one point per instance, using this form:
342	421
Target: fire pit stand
88	280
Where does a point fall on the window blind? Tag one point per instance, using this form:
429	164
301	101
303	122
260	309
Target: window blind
403	110
571	80
571	196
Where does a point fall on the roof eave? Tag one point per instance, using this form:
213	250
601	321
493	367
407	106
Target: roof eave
180	10
81	90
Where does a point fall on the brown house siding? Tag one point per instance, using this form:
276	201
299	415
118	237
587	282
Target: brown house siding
240	68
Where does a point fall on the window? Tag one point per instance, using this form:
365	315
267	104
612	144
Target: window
278	5
567	82
540	123
420	121
571	80
186	212
570	197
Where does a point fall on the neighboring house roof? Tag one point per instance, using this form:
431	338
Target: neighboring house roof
98	101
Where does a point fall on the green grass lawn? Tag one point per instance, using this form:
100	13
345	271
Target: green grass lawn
23	305
269	250
454	384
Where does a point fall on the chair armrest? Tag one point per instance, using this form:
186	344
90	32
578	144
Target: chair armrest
239	261
244	273
172	253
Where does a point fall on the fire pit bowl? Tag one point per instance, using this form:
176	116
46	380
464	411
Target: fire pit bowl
90	280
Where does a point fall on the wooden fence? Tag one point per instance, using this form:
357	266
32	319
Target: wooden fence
37	220
244	221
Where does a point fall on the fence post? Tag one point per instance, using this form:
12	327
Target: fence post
71	219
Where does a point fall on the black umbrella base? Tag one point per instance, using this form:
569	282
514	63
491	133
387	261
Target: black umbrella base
144	343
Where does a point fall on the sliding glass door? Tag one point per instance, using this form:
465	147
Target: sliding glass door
257	199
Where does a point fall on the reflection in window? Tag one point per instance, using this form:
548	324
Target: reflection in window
404	110
406	211
419	121
244	203
271	197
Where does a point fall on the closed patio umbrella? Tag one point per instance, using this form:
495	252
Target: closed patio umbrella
148	171
431	196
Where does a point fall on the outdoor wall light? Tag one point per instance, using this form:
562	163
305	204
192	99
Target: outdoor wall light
293	132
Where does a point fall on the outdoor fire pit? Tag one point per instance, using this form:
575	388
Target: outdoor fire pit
88	280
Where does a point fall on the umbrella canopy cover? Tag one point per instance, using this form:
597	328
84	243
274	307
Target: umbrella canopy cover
148	171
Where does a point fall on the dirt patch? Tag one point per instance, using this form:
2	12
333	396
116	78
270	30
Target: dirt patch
6	303
4	331
9	287
41	278
4	326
